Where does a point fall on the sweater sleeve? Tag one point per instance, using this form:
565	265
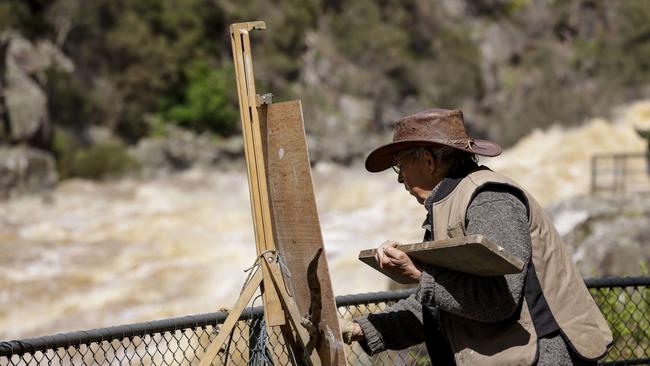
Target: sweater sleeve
498	214
398	326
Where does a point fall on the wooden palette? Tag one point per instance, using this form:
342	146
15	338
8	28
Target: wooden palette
472	254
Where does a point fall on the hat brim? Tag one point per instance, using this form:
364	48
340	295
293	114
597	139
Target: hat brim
382	157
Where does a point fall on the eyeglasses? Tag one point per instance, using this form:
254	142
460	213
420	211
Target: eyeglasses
397	167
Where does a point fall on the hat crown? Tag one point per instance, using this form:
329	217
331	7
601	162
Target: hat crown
443	125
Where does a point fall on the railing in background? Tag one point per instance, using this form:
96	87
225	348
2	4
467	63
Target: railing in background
182	341
620	173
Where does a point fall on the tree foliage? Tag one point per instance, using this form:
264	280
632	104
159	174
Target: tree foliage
204	105
170	59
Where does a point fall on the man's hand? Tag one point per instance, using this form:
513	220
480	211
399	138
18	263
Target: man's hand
397	262
351	331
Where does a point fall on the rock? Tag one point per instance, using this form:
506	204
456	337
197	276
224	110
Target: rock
182	149
25	100
50	56
344	149
498	43
607	236
454	8
356	114
25	170
99	134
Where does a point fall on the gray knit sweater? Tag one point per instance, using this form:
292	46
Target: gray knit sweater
500	216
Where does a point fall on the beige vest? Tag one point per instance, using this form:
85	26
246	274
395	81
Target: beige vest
557	287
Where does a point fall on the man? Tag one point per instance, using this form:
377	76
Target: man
543	315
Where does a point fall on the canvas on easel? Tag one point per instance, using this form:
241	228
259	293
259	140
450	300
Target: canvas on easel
298	235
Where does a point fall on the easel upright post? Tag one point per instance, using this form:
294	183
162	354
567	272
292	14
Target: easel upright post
258	187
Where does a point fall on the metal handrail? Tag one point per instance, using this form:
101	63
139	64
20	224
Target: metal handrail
621	177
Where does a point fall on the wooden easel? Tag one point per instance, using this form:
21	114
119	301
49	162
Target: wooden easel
279	304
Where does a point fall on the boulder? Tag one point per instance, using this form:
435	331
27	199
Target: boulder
25	170
344	149
182	149
608	236
25	100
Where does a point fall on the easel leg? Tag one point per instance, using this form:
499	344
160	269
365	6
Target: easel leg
233	317
273	269
290	307
294	352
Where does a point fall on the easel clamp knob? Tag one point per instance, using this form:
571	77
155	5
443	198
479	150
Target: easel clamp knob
264	98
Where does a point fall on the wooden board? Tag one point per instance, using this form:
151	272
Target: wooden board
472	254
297	232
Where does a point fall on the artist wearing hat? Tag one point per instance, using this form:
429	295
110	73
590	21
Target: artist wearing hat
543	315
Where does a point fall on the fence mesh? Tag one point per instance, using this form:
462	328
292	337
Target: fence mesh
183	341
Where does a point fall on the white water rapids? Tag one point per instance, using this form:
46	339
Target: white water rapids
99	254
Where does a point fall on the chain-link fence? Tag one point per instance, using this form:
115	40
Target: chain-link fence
182	341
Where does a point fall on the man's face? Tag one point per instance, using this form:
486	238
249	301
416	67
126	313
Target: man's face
417	175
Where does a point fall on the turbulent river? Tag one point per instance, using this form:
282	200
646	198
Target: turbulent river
98	254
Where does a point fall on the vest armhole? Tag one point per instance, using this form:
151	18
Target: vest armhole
540	313
504	187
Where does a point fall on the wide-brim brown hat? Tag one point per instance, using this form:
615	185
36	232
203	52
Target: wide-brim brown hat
429	128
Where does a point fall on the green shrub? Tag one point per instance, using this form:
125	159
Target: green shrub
69	102
24	16
105	159
205	104
64	146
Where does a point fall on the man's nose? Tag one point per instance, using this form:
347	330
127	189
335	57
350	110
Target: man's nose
399	178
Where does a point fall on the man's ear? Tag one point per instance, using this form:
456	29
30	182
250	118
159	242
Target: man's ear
431	161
